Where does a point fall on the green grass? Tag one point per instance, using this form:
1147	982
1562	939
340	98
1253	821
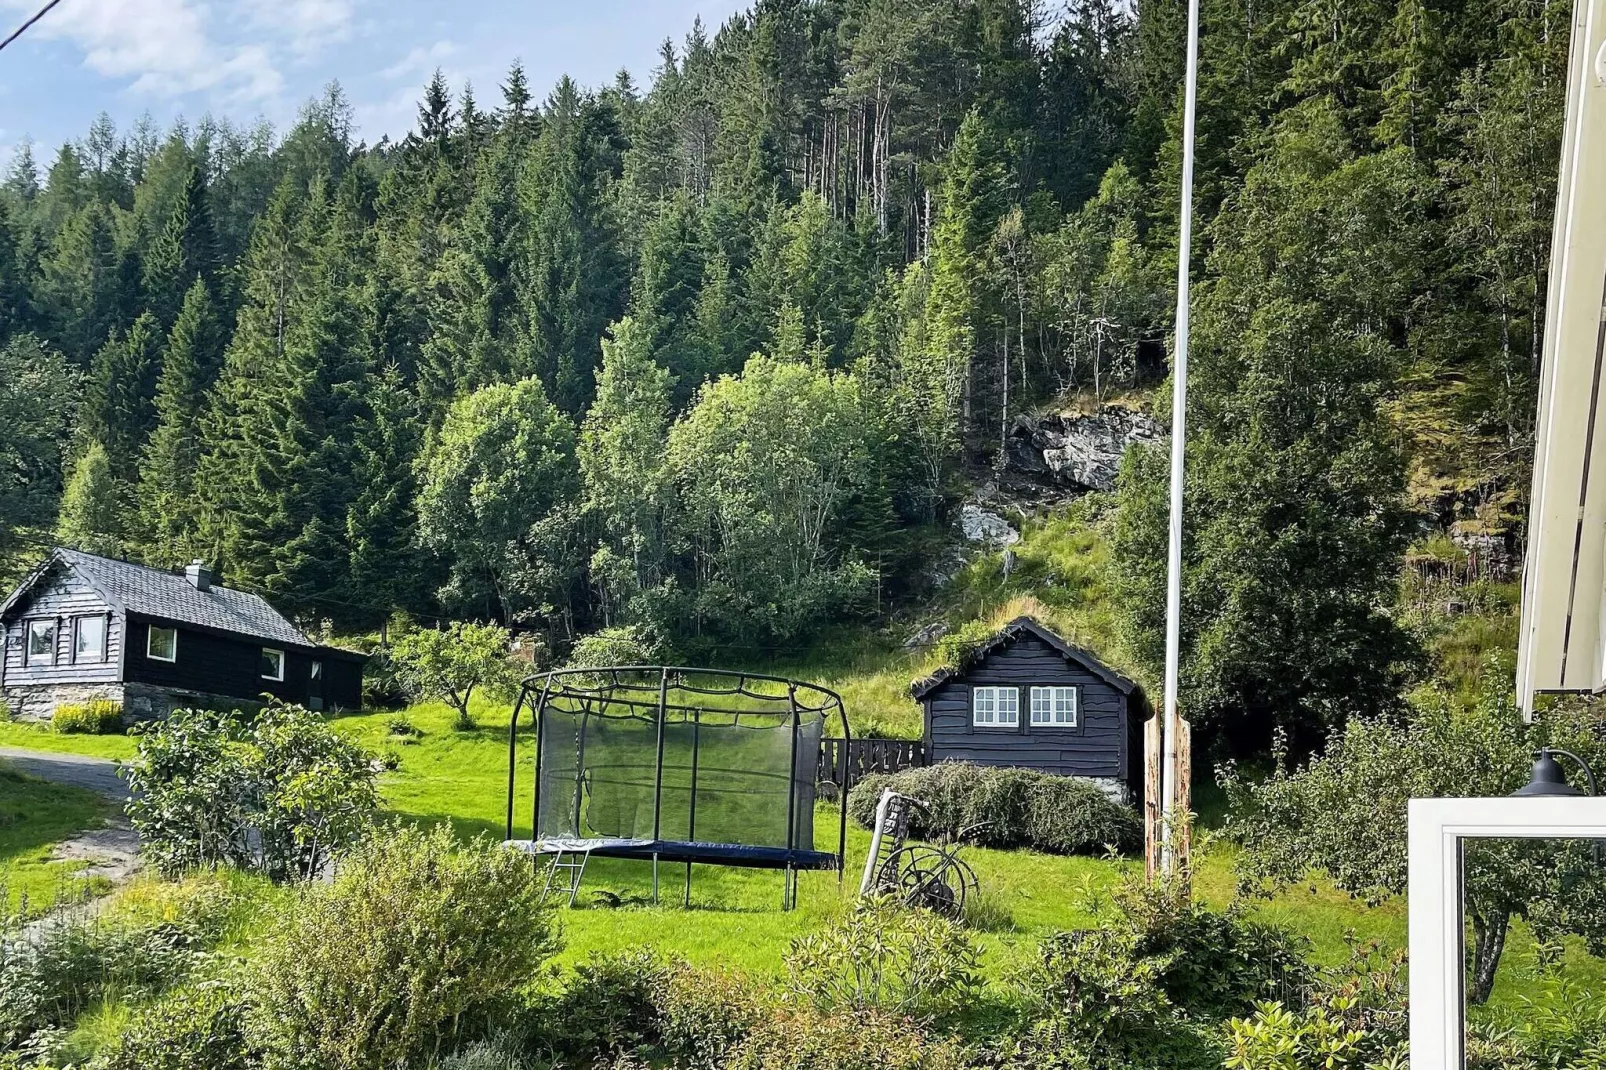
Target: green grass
35	736
34	817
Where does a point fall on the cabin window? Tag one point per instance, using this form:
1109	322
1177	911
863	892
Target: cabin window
1054	707
272	664
999	706
161	644
41	643
316	672
89	639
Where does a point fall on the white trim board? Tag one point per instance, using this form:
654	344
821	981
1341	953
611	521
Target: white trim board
1436	830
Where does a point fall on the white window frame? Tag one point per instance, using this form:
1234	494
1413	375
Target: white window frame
280	677
98	654
29	658
994	696
1436	830
1050	708
150	633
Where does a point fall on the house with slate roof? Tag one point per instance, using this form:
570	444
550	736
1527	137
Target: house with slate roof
84	627
1027	698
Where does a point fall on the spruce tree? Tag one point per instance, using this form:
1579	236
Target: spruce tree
186	248
120	405
94	506
83	282
169	523
382	519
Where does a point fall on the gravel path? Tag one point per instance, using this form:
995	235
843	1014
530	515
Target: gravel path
77	770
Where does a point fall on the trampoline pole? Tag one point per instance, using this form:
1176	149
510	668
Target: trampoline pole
658	779
691	813
540	740
791	803
842	827
512	758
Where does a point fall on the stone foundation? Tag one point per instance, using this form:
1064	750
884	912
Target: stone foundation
140	702
1113	789
38	702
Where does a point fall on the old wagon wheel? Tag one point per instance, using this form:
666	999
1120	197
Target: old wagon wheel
929	877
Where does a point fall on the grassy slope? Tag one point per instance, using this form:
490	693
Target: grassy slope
35	736
34	817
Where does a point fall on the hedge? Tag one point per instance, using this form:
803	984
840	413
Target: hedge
995	806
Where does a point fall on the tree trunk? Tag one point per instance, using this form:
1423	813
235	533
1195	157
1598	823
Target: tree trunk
1489	941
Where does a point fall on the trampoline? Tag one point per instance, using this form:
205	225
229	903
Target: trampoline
668	764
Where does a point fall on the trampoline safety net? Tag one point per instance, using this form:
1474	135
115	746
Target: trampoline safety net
679	756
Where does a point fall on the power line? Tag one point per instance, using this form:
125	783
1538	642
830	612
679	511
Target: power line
20	30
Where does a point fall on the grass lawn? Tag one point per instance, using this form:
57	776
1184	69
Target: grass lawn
42	737
34	817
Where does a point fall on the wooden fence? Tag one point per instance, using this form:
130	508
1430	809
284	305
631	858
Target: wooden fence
846	766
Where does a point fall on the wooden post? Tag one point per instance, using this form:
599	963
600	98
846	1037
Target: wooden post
1153	833
1181	832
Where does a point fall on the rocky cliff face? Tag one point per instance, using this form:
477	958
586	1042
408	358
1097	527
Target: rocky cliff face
1078	453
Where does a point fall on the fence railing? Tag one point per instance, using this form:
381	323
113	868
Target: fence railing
847	765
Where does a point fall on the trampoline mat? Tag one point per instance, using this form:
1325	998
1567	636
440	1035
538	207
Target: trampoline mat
724	854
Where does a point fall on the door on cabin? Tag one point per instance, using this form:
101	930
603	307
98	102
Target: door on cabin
315	685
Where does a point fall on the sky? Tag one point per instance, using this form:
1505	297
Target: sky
246	59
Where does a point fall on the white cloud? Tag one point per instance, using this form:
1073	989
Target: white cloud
161	47
308	25
420	62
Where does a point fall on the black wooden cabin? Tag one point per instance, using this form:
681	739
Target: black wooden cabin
84	627
1028	698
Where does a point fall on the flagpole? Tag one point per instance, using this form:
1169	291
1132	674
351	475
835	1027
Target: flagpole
1179	422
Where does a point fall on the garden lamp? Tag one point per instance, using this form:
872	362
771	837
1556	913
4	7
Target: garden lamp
1548	779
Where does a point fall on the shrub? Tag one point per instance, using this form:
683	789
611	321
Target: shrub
806	1039
419	944
201	1026
1352	1018
615	646
275	794
886	957
401	728
994	806
609	1005
97	717
499	1053
704	1014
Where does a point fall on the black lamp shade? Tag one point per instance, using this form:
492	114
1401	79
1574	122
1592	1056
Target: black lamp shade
1547	779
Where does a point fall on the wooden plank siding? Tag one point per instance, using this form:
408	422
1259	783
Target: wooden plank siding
1098	746
62	599
216	664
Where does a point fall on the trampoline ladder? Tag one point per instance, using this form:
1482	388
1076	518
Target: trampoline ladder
576	870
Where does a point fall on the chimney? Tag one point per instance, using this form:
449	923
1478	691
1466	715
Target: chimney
198	574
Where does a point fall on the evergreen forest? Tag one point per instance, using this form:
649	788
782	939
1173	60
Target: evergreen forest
718	355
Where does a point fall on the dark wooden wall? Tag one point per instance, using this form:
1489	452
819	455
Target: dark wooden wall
1097	747
230	665
62	598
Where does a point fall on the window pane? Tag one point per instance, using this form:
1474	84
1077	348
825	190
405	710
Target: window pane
91	645
163	643
273	664
317	670
983	702
1009	705
41	640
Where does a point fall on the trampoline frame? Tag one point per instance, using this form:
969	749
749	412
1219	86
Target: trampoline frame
690	851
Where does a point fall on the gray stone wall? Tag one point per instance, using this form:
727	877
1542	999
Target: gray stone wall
38	702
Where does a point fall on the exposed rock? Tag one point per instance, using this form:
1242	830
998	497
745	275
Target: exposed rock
1487	554
926	636
990	529
1081	452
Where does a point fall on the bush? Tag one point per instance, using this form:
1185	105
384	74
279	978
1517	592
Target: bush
995	806
496	1054
805	1039
275	794
418	945
1142	990
201	1026
703	1014
97	717
1352	1018
615	646
608	1006
887	957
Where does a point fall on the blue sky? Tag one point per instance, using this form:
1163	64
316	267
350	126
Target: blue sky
251	58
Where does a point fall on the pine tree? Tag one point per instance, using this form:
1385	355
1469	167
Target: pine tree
382	519
435	113
120	405
16	304
83	284
94	506
185	250
169	520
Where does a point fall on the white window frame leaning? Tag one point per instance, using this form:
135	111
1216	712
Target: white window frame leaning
995	711
1436	830
96	654
280	677
1050	708
29	658
150	633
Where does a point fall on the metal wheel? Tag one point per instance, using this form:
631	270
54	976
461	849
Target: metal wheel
928	877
